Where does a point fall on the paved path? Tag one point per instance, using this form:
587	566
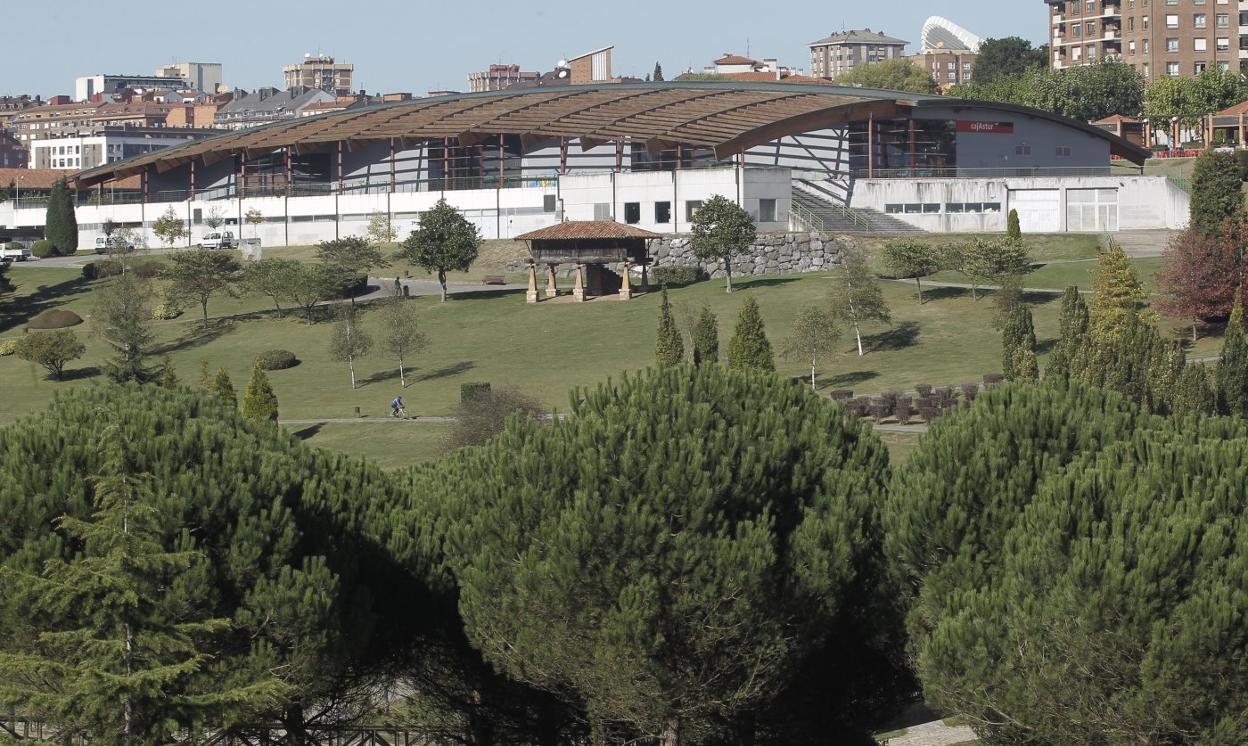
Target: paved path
935	733
917	429
1141	244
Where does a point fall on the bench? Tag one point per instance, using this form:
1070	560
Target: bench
494	280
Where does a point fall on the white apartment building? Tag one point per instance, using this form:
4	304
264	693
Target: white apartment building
91	150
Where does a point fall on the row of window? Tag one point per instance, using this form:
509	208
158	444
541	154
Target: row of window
663	211
934	208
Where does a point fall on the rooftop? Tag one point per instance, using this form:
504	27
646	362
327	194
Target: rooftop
861	36
583	230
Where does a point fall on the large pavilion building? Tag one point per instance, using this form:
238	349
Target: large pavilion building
801	157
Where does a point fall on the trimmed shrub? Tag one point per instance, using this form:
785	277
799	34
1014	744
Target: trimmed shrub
102	268
147	269
840	394
165	311
991	379
471	391
8	346
43	248
674	277
276	360
54	318
902	409
923	389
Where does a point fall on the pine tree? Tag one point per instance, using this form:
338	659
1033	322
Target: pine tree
657	77
223	388
168	378
1024	366
1072	334
1018	338
749	349
120	647
589	630
259	401
122	316
1013	230
668	347
706	338
61	225
281	523
856	297
1232	372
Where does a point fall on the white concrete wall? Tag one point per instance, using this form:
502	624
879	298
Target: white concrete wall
1144	202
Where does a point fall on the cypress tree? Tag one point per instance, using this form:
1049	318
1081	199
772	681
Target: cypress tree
1232	370
706	338
1216	192
1024	366
1019	335
676	546
1072	333
223	388
669	349
1193	392
259	401
61	225
1013	230
1117	295
749	349
168	378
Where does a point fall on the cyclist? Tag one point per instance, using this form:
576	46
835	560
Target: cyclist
396	407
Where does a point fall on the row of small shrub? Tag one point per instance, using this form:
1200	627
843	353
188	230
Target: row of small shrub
276	359
929	403
146	269
674	277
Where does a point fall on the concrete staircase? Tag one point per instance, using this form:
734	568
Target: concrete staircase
820	199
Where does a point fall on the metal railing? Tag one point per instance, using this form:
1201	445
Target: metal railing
985	173
828	201
811	221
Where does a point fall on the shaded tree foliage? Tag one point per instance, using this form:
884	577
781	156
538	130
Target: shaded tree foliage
897	74
445	241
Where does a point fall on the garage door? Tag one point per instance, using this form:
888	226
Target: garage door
1039	210
1092	210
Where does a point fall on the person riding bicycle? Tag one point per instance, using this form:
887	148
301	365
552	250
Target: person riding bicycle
396	406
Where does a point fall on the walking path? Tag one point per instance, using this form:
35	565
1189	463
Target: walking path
935	733
917	429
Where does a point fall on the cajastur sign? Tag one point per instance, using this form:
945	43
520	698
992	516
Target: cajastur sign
986	128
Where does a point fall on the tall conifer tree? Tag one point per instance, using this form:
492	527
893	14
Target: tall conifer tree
1232	370
669	349
749	349
259	401
706	338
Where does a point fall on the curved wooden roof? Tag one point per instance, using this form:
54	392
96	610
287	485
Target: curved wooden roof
726	117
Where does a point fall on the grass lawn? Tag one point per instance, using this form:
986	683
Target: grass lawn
389	445
495	254
545	350
900	446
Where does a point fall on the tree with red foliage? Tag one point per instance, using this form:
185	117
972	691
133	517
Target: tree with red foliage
1200	274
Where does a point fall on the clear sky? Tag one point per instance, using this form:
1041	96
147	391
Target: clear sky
417	45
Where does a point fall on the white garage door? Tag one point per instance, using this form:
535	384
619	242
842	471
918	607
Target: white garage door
1039	210
1092	210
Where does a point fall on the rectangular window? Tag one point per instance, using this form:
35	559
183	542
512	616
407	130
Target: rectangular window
892	209
1223	20
1224	45
1200	44
602	211
1172	21
632	212
930	208
1063	151
549	202
766	211
691	209
1022	150
1172	69
662	212
1199	20
955	208
914	208
1172	44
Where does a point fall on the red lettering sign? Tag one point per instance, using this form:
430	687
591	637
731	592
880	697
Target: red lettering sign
986	128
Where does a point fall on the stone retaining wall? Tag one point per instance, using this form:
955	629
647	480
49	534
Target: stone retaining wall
772	254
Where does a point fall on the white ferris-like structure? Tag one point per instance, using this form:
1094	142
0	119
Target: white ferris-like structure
942	34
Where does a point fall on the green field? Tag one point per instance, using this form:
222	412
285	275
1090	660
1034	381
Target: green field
544	350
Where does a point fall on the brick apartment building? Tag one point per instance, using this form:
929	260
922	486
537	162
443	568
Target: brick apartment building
1156	37
840	53
498	77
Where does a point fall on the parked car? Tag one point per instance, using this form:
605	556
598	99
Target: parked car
218	240
14	252
113	244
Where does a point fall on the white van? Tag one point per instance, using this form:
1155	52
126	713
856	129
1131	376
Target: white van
14	252
218	240
119	244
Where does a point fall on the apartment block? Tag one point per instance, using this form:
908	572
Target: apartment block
839	53
499	77
319	71
1175	38
202	76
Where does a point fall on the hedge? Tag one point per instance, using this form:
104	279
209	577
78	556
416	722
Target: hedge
54	318
276	360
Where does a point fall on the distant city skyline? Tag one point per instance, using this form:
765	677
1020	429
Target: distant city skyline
403	46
